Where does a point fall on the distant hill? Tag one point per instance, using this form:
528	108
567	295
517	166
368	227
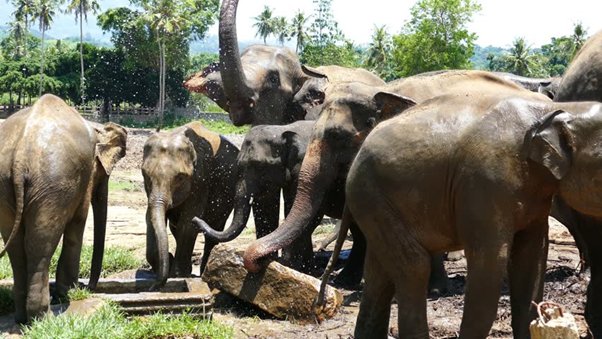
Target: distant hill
479	59
211	44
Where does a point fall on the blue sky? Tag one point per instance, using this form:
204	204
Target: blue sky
498	23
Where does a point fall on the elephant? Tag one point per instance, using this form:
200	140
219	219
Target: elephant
259	86
269	161
545	86
309	99
53	165
348	116
582	82
188	171
476	171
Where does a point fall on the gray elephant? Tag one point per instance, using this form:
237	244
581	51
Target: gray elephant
53	164
309	99
258	86
545	86
188	172
582	81
348	116
481	178
269	161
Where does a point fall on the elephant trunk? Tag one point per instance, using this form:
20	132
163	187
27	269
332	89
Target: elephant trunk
99	208
234	81
156	214
316	175
242	210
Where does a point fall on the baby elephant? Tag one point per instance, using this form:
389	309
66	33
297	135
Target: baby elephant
188	172
269	161
53	164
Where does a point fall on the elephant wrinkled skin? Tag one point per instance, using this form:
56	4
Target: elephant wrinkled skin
188	172
348	115
53	164
473	171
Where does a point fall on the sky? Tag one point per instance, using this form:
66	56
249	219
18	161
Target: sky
498	23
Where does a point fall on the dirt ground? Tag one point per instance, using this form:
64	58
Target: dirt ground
126	227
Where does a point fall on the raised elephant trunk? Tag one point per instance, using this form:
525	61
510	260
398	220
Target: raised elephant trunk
236	90
242	210
315	177
156	213
99	208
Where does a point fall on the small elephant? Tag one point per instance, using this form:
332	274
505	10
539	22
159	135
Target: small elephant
476	171
53	164
269	161
188	172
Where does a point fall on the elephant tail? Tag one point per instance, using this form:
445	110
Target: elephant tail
19	187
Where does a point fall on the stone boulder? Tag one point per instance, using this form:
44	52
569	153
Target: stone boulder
278	290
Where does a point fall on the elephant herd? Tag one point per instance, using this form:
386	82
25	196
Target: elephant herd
416	167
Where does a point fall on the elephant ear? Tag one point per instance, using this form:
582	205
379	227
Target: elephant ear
111	145
313	72
550	142
390	104
292	148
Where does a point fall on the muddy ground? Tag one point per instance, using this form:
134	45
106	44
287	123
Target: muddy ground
126	227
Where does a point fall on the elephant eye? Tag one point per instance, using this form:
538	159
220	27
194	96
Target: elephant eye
371	122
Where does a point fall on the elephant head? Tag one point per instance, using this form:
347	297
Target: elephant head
309	99
256	87
348	115
269	158
110	148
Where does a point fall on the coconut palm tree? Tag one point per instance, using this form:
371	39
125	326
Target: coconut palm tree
578	38
520	58
264	23
81	8
24	9
298	30
44	14
281	29
379	50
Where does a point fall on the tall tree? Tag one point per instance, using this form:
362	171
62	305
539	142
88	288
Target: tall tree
324	29
44	14
436	37
378	52
578	38
81	8
24	10
281	29
520	59
264	24
298	30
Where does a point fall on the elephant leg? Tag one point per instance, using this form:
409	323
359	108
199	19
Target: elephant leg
67	272
185	239
486	257
375	308
16	255
266	212
438	281
351	274
218	219
526	274
42	234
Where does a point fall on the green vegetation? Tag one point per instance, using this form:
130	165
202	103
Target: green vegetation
124	185
116	259
78	293
110	322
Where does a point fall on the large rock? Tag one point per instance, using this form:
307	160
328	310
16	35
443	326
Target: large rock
278	290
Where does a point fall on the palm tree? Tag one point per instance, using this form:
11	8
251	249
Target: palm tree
44	13
281	29
23	10
578	37
81	8
298	30
264	23
18	33
520	58
379	50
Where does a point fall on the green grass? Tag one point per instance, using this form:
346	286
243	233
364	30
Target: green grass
116	259
124	185
110	322
78	293
224	127
170	121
